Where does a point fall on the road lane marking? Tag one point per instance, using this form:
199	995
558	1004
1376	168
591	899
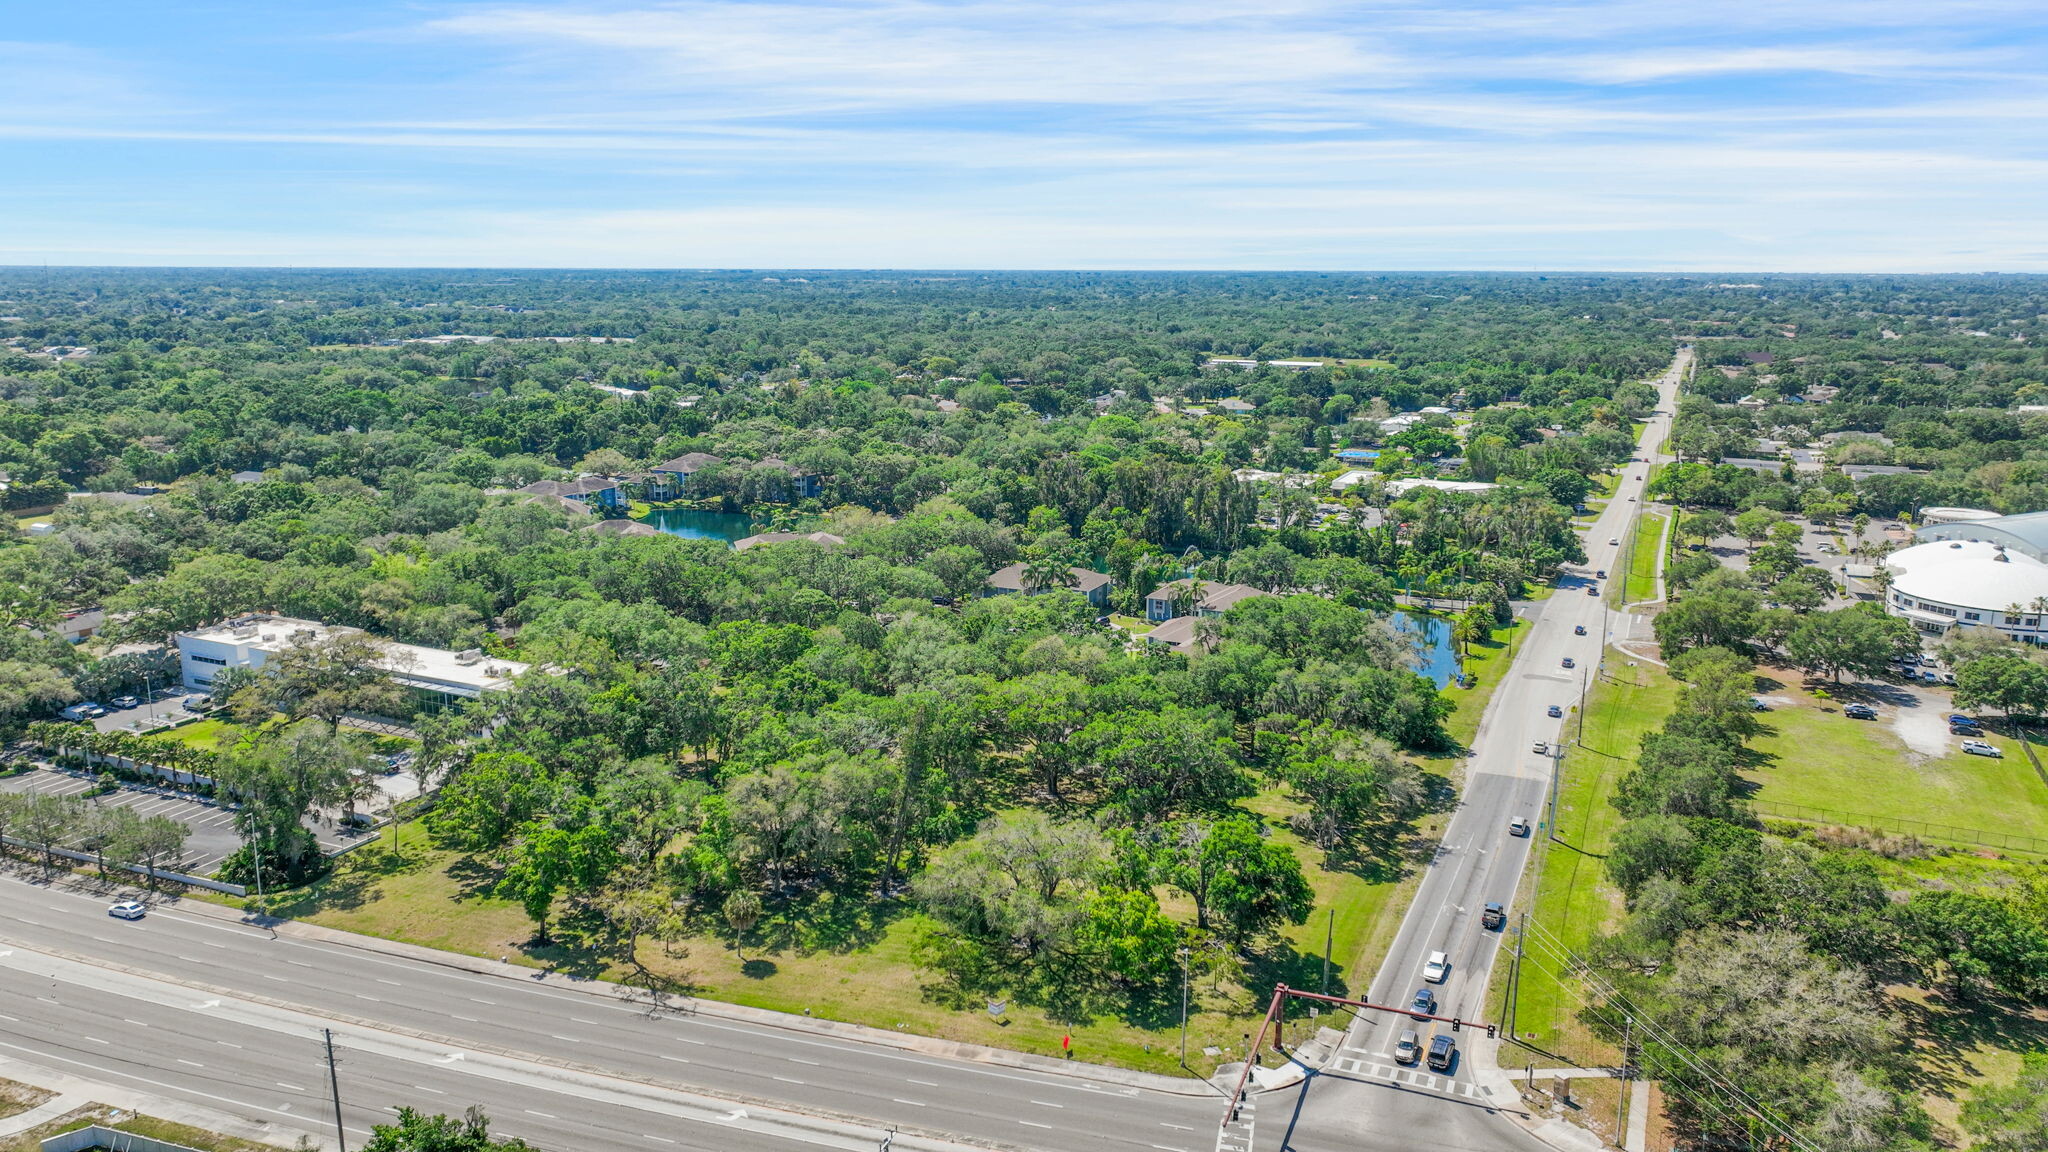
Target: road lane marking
226	1044
912	1103
785	1079
97	1040
926	1083
800	1060
676	1059
1035	1124
381	980
435	1091
650	1136
542	1115
567	1039
137	1023
1047	1104
194	1063
282	1084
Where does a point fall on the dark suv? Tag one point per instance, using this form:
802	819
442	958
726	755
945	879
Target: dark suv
1443	1052
1859	712
1493	916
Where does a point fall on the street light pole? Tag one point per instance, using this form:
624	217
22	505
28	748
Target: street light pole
1329	942
1183	1007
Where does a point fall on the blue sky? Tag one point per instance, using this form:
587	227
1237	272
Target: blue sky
1859	135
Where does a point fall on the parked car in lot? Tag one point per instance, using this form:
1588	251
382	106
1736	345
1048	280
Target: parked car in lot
126	702
1443	1052
1554	711
1408	1049
128	910
1493	916
1424	1003
1980	748
1519	826
1437	968
1965	730
197	703
1859	712
1757	704
1959	718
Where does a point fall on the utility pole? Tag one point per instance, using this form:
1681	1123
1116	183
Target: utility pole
1583	680
1515	973
1627	1075
1556	759
334	1086
1183	1007
1329	942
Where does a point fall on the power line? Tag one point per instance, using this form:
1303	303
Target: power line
1662	1036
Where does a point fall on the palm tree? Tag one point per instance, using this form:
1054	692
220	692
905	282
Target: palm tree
1043	571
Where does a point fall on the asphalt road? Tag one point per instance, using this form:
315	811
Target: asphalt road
752	1065
225	1015
1367	1101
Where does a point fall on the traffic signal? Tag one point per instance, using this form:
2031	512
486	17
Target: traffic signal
1456	1024
1489	1031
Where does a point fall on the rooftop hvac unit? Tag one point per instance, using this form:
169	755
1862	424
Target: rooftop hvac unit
469	656
247	632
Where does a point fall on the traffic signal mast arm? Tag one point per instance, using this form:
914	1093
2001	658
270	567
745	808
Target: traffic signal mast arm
1280	994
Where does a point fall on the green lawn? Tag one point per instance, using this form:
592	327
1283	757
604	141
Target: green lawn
1646	550
855	968
205	734
1815	757
1566	890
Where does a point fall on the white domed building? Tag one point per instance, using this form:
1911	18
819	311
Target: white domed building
1946	584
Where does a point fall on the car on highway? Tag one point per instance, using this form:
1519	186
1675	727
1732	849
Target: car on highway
1568	662
1980	748
1578	630
1519	826
1443	1052
1600	572
128	910
1612	540
1859	712
1540	747
1554	712
1437	968
1408	1049
1424	1003
1592	590
1493	915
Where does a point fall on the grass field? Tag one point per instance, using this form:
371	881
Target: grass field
1646	549
1567	891
852	967
1815	757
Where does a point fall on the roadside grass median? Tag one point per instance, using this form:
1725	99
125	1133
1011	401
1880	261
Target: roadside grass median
1567	891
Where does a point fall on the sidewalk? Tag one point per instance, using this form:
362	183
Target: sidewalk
858	1033
74	1093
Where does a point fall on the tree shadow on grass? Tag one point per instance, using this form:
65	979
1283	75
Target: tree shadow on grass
475	878
1944	1062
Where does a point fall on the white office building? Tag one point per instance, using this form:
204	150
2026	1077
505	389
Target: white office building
438	676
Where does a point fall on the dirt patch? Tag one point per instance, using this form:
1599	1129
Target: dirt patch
16	1097
1923	730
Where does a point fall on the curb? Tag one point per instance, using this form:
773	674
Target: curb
690	1005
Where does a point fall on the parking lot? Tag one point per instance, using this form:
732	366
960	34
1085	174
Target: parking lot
213	835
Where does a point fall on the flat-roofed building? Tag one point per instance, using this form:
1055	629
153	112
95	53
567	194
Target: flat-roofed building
437	676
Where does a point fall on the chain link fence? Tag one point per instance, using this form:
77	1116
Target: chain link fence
1924	829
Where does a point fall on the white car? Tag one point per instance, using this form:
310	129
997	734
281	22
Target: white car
1518	827
1614	541
1980	748
128	910
1438	967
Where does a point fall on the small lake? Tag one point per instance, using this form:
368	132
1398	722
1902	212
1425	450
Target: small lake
692	524
1432	636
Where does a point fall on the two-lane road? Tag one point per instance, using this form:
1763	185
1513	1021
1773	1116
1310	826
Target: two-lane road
1368	1101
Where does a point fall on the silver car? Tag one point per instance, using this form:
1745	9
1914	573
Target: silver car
1408	1049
